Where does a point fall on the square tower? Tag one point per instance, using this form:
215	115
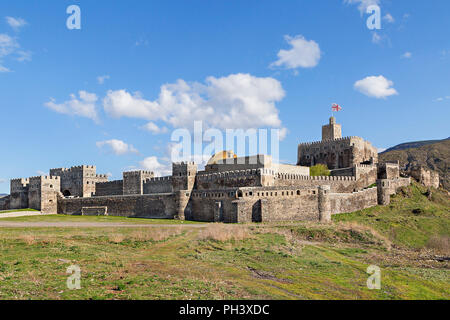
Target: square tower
133	181
43	193
331	131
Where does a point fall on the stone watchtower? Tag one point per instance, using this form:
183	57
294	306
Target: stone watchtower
183	181
331	131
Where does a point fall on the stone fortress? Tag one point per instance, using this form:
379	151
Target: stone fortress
229	189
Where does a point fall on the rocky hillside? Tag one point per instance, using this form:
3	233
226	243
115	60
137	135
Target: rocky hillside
435	156
414	144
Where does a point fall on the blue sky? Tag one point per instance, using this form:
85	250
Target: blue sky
231	64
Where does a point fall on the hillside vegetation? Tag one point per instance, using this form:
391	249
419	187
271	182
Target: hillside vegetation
413	144
435	156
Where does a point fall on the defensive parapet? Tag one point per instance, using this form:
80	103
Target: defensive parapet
231	179
158	185
109	188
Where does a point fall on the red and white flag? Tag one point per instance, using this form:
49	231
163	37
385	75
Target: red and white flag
336	107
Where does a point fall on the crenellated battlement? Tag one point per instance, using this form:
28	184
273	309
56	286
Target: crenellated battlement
190	163
21	180
229	174
137	173
44	178
159	179
316	178
314	143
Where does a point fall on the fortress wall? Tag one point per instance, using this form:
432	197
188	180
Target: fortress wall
350	202
256	204
337	184
388	170
398	183
291	169
110	188
425	176
231	179
4	203
158	185
366	175
149	206
19	193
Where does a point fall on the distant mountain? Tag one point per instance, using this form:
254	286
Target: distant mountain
435	156
414	144
3	195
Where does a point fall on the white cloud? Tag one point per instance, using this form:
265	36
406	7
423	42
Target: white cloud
101	79
7	45
2	180
363	4
236	101
24	56
303	54
41	173
10	47
16	23
152	127
84	106
442	99
380	150
407	55
4	69
117	147
159	169
389	18
376	38
376	87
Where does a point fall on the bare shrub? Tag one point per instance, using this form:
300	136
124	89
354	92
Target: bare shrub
116	237
224	232
356	229
29	239
440	244
154	234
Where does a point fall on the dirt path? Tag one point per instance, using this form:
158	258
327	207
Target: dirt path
43	224
20	214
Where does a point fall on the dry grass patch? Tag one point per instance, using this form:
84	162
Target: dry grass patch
224	232
155	234
116	237
29	239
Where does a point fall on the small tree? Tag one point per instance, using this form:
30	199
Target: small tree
319	170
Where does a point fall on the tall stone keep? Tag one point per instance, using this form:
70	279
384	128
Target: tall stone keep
331	131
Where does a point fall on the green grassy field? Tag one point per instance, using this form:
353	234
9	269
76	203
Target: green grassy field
407	240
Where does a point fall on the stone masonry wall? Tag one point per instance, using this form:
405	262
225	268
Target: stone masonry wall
133	181
149	206
350	202
110	188
425	176
4	203
19	193
158	185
